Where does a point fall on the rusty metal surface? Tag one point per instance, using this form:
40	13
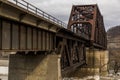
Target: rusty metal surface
72	53
87	21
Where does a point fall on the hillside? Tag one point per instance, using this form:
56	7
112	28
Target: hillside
113	36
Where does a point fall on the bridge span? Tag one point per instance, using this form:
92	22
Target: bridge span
45	47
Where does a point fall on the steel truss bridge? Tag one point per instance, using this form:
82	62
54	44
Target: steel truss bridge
26	29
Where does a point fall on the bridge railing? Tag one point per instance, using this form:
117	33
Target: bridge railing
34	9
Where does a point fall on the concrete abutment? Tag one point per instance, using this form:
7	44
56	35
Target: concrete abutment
34	67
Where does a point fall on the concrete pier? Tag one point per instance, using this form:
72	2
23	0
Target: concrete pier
34	67
96	61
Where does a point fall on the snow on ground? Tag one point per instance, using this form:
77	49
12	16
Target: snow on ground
3	70
3	73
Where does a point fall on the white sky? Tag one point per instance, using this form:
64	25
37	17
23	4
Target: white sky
61	9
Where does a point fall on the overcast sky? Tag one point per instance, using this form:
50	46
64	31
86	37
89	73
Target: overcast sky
61	9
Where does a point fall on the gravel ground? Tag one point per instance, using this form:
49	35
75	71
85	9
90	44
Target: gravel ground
96	78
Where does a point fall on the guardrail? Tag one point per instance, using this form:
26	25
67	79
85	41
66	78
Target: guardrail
34	9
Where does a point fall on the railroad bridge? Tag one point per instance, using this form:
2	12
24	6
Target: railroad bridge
44	48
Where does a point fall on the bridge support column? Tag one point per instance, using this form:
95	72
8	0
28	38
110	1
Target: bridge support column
34	67
96	61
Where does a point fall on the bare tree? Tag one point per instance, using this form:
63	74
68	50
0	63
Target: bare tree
116	67
115	60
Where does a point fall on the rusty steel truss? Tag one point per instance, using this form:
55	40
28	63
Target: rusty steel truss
85	29
87	22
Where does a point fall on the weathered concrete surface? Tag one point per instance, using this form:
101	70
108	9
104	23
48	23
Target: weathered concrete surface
34	67
99	60
4	62
96	61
